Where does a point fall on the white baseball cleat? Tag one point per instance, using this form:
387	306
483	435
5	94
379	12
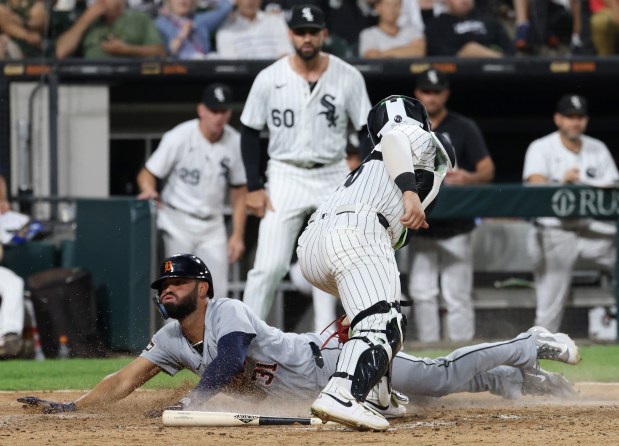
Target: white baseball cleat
340	406
554	346
395	408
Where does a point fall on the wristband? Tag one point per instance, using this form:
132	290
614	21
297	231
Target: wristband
406	182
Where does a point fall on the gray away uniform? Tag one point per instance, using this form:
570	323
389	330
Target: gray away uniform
285	365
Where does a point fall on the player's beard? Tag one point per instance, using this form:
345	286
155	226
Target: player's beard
308	55
185	305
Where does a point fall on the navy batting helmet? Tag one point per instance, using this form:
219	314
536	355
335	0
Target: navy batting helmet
184	266
394	110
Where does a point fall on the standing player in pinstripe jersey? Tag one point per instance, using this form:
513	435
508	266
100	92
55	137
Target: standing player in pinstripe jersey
306	100
200	160
348	248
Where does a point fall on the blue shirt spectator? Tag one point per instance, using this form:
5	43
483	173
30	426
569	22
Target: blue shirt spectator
188	36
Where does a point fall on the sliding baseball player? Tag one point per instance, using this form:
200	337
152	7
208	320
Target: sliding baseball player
232	350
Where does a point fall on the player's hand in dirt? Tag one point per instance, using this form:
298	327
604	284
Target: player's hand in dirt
47	406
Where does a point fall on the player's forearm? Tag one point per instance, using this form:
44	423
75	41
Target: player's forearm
239	215
250	150
147	182
118	385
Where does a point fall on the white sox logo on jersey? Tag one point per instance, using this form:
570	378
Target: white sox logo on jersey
330	109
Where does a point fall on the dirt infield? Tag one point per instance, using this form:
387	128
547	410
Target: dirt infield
464	419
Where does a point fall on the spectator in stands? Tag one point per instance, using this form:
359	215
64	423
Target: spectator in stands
200	160
567	156
442	255
28	32
11	298
388	39
549	22
344	19
152	8
187	35
463	32
605	26
250	33
108	29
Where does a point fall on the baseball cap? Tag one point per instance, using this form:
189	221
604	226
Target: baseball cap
217	96
307	16
432	80
572	104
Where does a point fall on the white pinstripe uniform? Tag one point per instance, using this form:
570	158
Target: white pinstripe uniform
348	247
555	245
306	127
197	175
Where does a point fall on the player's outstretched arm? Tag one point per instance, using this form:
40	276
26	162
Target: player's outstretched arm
112	388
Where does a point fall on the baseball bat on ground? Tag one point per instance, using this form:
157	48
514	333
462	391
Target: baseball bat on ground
227	419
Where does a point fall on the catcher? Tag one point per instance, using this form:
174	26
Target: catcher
232	350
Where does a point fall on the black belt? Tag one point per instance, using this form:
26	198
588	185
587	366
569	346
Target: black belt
308	165
320	362
191	214
381	218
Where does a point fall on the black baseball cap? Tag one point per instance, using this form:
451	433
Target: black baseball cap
432	80
307	16
572	104
217	96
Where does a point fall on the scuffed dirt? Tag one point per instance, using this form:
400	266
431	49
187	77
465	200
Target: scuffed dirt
463	419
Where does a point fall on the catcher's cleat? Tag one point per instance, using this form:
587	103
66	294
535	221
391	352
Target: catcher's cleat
395	408
340	406
554	346
541	382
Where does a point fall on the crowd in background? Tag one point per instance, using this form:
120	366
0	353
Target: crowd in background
256	29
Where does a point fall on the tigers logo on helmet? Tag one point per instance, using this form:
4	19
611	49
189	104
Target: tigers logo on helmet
168	266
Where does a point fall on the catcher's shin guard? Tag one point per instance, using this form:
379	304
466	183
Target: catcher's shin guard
366	357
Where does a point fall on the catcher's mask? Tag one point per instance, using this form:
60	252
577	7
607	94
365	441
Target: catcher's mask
394	110
185	266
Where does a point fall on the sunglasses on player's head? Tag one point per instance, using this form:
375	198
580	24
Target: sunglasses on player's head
304	31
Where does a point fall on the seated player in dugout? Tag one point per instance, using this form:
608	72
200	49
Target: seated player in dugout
232	350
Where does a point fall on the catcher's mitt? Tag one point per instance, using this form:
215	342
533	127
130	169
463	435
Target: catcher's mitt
47	406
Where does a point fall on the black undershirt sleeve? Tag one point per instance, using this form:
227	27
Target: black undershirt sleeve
250	150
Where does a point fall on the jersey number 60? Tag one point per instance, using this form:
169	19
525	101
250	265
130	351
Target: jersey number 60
286	117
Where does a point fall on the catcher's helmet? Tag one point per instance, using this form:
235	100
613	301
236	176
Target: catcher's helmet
394	110
185	266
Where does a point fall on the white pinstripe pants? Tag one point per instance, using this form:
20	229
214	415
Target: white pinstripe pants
295	193
350	256
12	308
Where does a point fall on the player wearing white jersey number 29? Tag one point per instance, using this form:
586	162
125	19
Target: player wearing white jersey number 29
348	248
306	100
199	161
